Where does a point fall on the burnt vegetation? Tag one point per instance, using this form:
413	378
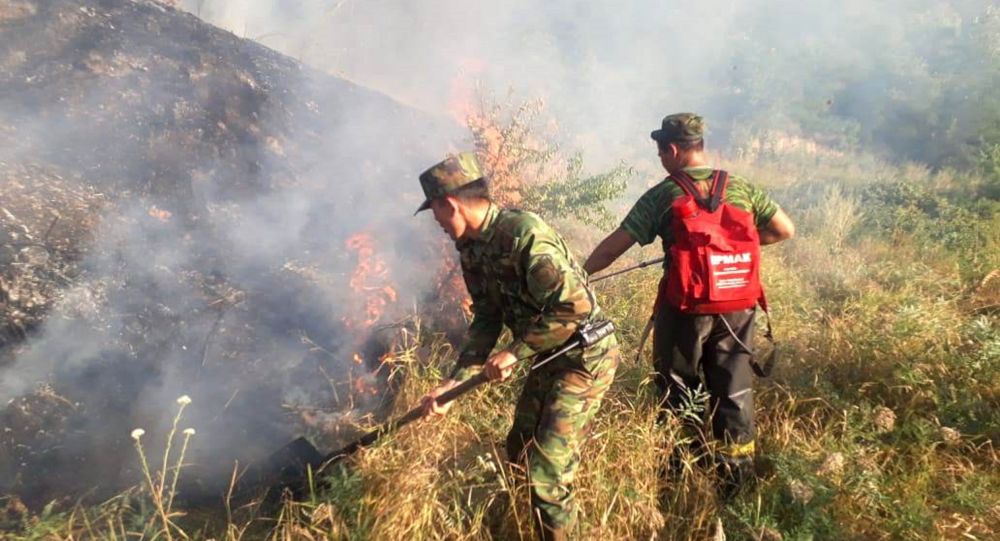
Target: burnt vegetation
151	165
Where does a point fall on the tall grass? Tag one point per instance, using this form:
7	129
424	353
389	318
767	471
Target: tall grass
881	422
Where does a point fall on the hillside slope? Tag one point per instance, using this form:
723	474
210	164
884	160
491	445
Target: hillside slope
177	208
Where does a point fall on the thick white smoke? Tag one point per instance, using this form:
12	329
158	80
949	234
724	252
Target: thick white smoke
220	267
610	70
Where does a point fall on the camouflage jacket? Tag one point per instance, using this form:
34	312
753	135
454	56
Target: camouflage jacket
520	273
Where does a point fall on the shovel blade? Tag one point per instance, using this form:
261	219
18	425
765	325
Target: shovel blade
284	469
297	454
291	462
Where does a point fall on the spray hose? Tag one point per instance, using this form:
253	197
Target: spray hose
642	265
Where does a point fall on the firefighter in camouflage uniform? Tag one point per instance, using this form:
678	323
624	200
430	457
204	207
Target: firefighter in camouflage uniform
691	347
520	274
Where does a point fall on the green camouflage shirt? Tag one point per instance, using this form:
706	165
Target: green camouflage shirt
651	214
521	274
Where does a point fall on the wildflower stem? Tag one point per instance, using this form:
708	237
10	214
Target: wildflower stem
170	440
154	491
145	466
177	469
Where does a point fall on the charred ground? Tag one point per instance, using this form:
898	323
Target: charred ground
176	202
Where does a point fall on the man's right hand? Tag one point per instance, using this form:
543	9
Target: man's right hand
429	401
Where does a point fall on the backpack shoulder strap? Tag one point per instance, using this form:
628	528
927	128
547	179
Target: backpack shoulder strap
720	180
686	183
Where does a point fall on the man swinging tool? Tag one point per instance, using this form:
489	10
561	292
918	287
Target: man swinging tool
711	224
520	273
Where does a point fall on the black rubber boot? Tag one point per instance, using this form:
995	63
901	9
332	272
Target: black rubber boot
735	473
681	451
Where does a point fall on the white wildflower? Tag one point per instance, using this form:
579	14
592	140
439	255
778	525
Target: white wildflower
137	433
184	400
950	435
885	420
833	465
801	492
486	461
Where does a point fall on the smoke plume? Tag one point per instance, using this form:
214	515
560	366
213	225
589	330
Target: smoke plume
251	227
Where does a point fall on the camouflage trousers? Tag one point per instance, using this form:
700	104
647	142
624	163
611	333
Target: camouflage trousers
551	421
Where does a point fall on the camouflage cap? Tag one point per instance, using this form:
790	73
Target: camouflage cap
680	127
446	177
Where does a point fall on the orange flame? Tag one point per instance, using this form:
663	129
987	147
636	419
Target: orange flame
453	304
369	281
372	294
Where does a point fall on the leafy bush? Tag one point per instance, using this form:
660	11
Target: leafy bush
966	229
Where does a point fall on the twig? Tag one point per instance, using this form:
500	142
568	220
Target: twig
45	237
332	382
229	492
47	248
211	333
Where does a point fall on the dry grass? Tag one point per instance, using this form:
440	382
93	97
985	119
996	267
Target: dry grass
880	423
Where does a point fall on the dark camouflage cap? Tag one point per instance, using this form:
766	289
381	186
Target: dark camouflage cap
446	177
680	127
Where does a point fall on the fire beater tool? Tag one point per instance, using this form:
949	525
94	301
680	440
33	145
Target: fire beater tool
642	265
292	466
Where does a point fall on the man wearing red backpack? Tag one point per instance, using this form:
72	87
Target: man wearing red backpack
711	225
